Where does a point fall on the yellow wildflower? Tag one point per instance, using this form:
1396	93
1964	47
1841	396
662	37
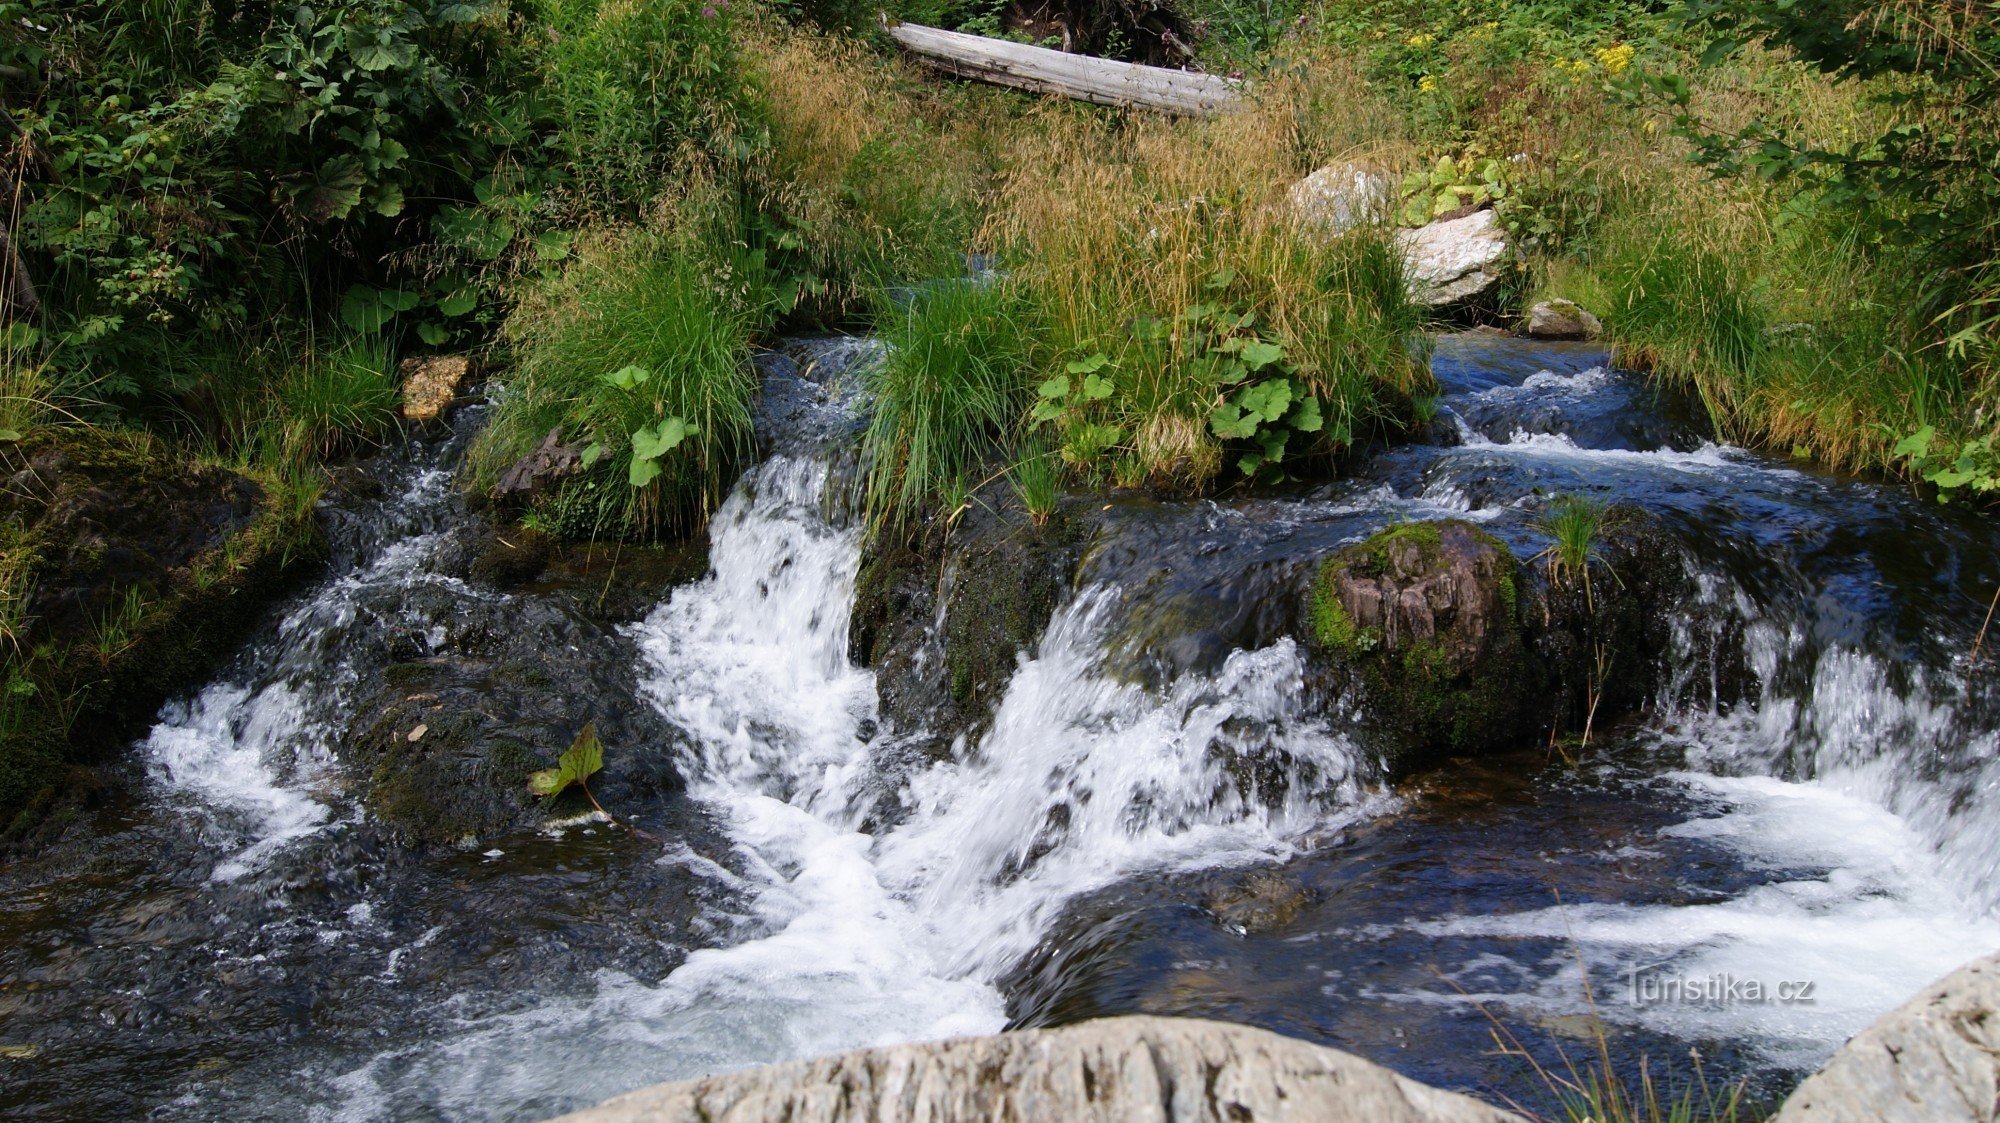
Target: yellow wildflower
1420	39
1614	60
1427	83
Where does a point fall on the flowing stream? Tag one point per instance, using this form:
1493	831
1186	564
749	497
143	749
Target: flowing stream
1811	798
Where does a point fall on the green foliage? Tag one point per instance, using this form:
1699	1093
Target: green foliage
1972	468
333	397
210	182
637	350
583	759
1451	185
948	395
1038	484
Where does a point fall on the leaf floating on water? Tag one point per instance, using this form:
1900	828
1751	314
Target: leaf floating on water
583	759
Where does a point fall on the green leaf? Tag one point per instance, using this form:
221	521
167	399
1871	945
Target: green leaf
651	444
1056	388
626	377
1229	422
583	759
9	436
433	334
1306	416
642	472
1222	278
1260	354
1046	410
1917	445
1087	366
1267	401
552	245
592	454
1096	387
460	301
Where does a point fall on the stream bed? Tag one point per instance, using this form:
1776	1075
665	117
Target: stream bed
1809	803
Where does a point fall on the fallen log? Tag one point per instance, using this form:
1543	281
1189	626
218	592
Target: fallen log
1104	81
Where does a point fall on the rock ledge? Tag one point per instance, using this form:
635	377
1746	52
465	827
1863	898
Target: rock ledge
1131	1070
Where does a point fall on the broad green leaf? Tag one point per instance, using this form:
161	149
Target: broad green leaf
1229	422
592	454
1917	445
651	444
1046	410
1096	387
1306	417
626	377
1267	401
1086	366
10	435
1222	278
642	472
1056	388
433	334
1260	354
460	301
583	759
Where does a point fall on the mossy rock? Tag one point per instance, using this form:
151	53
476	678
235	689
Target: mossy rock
130	570
972	596
1421	624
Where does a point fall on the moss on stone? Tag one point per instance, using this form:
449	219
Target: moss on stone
150	567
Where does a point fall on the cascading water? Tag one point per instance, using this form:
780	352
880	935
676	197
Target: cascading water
1811	796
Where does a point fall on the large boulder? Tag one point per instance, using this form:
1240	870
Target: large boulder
432	383
1935	1059
1339	197
1128	1070
1455	259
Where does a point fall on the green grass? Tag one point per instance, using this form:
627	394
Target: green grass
631	299
333	398
1037	479
1576	523
949	395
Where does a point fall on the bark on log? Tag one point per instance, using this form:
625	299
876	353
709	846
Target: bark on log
1103	81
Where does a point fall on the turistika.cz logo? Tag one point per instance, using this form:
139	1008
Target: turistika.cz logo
1649	986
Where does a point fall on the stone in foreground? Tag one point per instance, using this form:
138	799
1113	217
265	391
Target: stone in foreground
1134	1069
1935	1059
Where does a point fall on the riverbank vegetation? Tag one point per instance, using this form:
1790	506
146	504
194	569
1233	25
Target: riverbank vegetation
227	225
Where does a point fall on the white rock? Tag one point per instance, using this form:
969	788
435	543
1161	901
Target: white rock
1562	319
1339	197
1454	258
1935	1059
1127	1070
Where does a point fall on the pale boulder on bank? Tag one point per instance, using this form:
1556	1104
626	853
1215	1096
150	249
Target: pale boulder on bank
1935	1059
1449	260
1117	1070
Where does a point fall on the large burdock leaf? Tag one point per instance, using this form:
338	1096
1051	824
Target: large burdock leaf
583	758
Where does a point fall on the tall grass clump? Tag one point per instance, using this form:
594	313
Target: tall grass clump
1191	327
637	352
950	394
333	398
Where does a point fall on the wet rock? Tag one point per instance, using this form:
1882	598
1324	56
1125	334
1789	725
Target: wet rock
127	570
1422	621
1562	319
431	383
1935	1059
944	616
1339	197
1264	901
1124	1069
531	475
465	691
1455	259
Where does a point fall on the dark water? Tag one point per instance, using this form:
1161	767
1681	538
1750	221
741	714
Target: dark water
1809	798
